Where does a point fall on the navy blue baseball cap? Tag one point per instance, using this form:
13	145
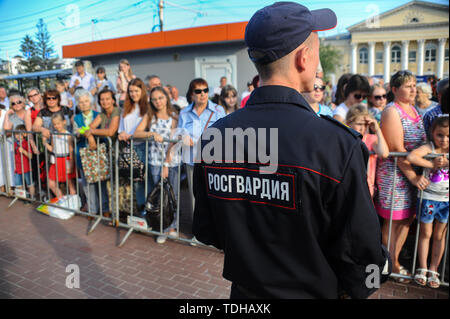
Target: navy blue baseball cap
276	30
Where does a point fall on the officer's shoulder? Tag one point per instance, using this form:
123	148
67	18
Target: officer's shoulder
342	126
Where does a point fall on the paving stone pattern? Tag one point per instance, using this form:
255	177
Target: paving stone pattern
36	249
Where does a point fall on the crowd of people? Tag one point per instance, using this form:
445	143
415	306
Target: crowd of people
399	116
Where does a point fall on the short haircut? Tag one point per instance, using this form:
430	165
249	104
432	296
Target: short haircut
425	88
83	92
400	78
194	83
356	83
266	71
79	63
52	92
151	77
18	96
33	89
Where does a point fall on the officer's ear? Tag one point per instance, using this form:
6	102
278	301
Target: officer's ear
301	58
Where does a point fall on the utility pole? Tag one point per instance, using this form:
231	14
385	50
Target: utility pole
161	14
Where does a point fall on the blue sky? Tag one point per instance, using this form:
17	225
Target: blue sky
70	22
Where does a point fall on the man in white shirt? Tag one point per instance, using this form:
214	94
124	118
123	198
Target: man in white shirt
4	98
223	82
181	101
80	79
250	89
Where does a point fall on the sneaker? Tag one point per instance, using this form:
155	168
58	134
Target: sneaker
161	239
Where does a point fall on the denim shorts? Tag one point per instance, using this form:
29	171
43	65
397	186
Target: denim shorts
18	179
432	210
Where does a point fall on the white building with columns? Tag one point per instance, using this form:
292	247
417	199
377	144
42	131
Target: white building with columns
414	37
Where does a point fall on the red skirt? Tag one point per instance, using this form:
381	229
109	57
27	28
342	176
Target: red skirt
61	161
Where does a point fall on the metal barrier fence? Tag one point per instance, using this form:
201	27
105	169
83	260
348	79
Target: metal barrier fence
137	223
95	192
396	155
43	162
47	160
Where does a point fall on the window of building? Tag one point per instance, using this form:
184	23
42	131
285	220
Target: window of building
396	54
446	54
430	53
412	56
363	56
379	57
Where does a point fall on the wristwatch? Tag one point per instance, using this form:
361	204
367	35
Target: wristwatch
166	164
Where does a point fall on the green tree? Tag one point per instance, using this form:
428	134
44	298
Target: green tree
330	58
28	49
44	47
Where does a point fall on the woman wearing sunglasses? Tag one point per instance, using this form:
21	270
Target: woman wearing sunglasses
355	91
194	119
377	101
315	98
15	116
43	123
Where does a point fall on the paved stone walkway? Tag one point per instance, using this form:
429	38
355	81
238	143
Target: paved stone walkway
35	251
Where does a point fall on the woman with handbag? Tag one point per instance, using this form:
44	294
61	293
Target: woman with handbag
88	160
159	123
135	108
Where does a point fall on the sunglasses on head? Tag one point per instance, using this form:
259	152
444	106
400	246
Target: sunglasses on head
16	103
198	91
379	97
359	96
52	98
317	87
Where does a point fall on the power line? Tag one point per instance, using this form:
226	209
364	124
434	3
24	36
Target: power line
113	12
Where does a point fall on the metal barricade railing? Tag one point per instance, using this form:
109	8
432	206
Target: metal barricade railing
396	155
51	162
137	223
98	188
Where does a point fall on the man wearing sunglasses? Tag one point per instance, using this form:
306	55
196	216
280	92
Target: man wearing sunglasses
305	227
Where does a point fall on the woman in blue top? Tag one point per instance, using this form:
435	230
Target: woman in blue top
194	119
315	98
91	190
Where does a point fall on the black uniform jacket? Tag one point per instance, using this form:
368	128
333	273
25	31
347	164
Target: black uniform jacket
309	230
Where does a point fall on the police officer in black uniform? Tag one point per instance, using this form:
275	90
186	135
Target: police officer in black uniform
302	224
